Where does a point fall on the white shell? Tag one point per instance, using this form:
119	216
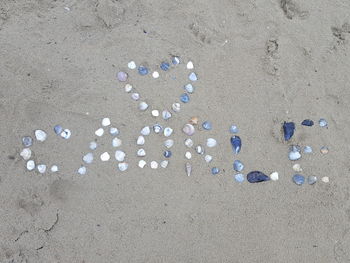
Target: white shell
66	134
325	179
105	157
146	130
26	153
164	164
188	155
54	168
88	158
211	142
99	132
176	107
189	65
168	131
157	128
141	152
188	129
169	143
166	115
188	168
106	122
82	170
120	156
135	96
41	168
189	142
40	135
155	74
93	145
199	149
113	131
128	88
143	106
274	176
208	158
142	163
155	113
297	168
132	65
30	165
140	140
154	165
123	166
116	142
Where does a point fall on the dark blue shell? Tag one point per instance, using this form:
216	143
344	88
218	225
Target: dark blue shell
288	130
257	177
142	70
236	144
165	66
307	122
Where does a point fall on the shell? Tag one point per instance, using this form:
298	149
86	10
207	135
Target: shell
58	129
257	177
236	144
122	76
99	132
164	164
141	153
294	155
168	131
166	115
128	88
194	120
307	122
154	165
140	140
167	154
119	155
26	153
41	168
238	166
123	166
175	60
142	70
155	74
325	179
106	122
288	130
184	98
66	134
176	107
92	145
188	155
30	165
199	149
40	135
132	65
82	170
136	96
189	88
211	142
307	149
324	150
169	143
215	170
105	157
274	176
116	142
311	179
164	66
146	130
323	123
189	65
143	106
54	168
113	131
233	129
155	113
27	141
239	178
142	163
189	142
188	169
207	125
157	128
208	158
298	179
192	76
297	168
88	158
188	129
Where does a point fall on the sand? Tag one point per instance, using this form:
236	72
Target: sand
259	63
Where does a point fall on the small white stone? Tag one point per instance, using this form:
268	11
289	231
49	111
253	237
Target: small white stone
168	131
274	176
325	179
116	142
82	170
106	122
26	153
189	142
132	65
211	142
41	168
189	65
164	164
93	145
154	165
143	106
120	156
208	158
140	140
128	88
99	132
136	96
54	168
66	134
123	166
155	113
113	131
176	107
169	143
141	152
105	157
155	74
146	130
30	165
142	163
297	168
40	135
88	158
188	155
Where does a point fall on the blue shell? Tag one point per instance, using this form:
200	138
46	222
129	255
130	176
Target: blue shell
142	70
238	166
192	76
27	141
288	130
189	88
215	170
239	178
184	98
236	144
175	60
323	123
165	66
257	177
298	179
167	154
207	125
58	129
307	122
233	129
